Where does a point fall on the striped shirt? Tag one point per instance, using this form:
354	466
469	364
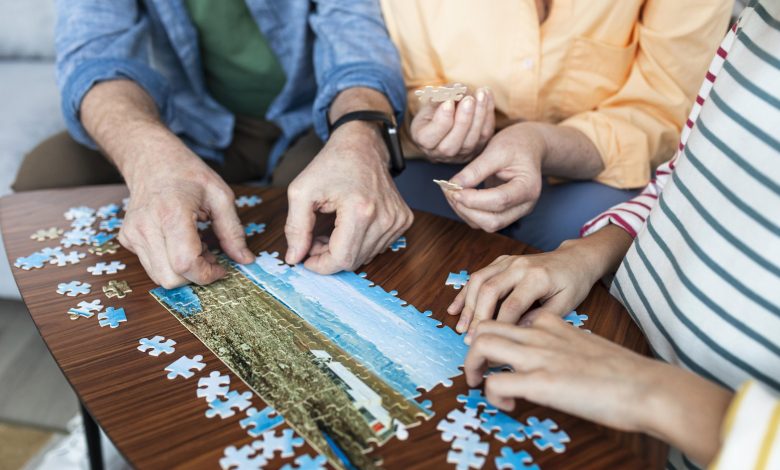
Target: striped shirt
702	278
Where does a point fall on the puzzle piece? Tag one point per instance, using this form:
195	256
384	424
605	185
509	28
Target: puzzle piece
260	421
112	317
85	309
83	222
107	248
248	201
61	259
111	224
224	408
78	212
510	460
213	386
475	399
51	251
458	424
46	234
398	244
73	288
306	462
116	288
507	426
444	184
545	436
101	238
438	94
457	280
270	442
33	261
125	203
106	268
472	452
108	211
575	319
156	346
76	237
182	366
254	229
203	225
241	459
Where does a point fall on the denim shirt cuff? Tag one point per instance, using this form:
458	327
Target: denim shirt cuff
366	75
91	72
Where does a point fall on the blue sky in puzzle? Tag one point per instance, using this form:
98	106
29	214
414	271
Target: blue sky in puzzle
182	299
400	344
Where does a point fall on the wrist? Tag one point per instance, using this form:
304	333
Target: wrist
364	135
532	137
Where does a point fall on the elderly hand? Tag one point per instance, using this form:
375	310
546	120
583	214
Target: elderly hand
452	132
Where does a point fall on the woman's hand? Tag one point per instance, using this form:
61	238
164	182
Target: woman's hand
559	281
455	133
565	368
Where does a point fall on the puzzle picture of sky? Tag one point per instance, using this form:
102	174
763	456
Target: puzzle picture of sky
296	338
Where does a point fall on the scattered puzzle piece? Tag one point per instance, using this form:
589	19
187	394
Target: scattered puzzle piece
213	386
61	259
306	462
125	203
241	459
78	212
507	426
575	319
112	317
270	442
457	424
182	366
444	184
111	224
106	268
108	211
83	222
248	201
472	452
101	238
510	460
85	309
457	280
73	288
203	225
544	434
254	229
156	346
224	408
46	234
475	399
76	237
438	94
51	251
107	248
34	261
398	244
116	288
260	421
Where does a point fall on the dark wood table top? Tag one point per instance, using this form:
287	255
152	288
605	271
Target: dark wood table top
160	423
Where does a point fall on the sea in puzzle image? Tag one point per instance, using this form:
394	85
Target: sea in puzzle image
340	359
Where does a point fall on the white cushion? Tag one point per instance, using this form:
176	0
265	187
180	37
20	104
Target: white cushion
27	28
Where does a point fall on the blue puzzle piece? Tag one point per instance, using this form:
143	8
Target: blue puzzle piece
545	436
507	426
398	244
468	452
511	460
248	201
305	462
156	346
575	319
224	408
35	261
112	317
260	421
107	211
475	399
457	280
182	367
73	288
242	459
111	224
271	442
254	229
102	238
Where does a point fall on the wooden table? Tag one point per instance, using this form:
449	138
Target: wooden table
159	423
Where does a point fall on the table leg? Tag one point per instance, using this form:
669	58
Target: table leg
92	434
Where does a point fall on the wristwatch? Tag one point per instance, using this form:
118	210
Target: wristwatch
389	134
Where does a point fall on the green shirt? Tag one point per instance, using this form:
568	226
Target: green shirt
241	71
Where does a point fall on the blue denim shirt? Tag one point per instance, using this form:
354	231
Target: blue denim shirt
324	47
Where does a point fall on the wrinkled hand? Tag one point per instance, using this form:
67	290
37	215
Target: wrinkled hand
348	177
556	365
511	163
455	133
172	194
559	280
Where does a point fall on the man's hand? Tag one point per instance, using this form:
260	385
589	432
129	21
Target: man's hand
170	188
348	177
455	133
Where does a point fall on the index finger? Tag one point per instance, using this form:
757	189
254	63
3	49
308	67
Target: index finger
344	245
185	252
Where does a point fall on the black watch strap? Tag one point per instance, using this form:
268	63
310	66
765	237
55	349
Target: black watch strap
389	134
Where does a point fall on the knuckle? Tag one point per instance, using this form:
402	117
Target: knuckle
365	209
169	282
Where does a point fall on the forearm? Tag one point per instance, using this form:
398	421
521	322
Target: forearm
568	153
123	120
601	252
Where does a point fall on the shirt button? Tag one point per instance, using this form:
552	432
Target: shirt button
527	63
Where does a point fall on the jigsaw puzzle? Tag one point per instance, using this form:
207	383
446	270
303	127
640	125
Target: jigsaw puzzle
254	229
83	222
457	280
575	319
76	237
458	424
34	261
306	462
182	367
214	386
248	201
108	211
78	212
225	408
116	288
73	288
203	225
85	309
258	422
112	317
476	399
61	259
511	460
506	426
271	442
468	452
438	94
156	346
243	458
545	436
398	244
109	225
300	340
444	184
107	248
106	268
46	234
101	238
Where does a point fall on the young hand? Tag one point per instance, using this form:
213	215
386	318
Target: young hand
455	133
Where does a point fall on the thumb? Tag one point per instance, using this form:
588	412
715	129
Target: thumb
485	165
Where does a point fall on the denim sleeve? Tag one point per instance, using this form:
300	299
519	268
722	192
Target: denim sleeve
353	49
98	41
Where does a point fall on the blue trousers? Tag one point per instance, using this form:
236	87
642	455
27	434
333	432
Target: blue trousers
559	214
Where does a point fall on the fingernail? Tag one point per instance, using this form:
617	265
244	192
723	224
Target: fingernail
249	255
467	339
468	103
481	95
290	256
448	106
